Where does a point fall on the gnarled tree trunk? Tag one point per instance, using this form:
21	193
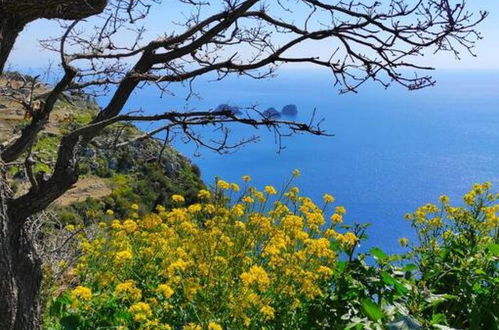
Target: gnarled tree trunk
20	270
15	14
20	266
9	30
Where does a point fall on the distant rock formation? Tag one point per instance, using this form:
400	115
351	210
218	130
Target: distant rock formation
234	109
290	110
271	113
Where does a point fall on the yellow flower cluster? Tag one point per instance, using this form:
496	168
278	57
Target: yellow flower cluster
178	198
80	294
440	225
128	290
215	264
141	311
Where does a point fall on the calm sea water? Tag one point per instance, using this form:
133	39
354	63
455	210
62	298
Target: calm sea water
393	150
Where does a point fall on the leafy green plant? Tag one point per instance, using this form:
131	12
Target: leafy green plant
458	261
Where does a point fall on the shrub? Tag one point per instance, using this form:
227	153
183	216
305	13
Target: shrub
235	265
458	261
269	259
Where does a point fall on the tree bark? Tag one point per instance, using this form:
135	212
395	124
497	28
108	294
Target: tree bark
9	30
15	14
20	270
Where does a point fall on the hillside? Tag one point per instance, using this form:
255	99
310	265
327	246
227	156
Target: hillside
118	168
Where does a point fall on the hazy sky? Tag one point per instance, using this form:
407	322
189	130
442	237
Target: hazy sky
28	54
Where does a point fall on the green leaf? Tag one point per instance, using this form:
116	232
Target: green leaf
64	299
391	281
435	299
378	253
410	268
122	315
480	271
341	266
494	248
438	318
387	279
55	308
372	310
70	322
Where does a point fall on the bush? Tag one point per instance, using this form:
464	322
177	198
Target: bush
208	264
269	259
458	261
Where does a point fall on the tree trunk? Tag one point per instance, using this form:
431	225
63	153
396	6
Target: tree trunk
9	30
15	14
20	270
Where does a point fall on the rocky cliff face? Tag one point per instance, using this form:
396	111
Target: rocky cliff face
119	168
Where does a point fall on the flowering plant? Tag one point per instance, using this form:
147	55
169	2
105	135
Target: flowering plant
249	258
240	258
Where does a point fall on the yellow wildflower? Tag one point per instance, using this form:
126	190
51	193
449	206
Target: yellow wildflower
123	256
336	218
270	190
320	247
224	185
350	239
130	226
81	292
340	210
256	275
237	210
296	173
134	207
141	311
469	198
214	326
328	198
248	199
246	178
195	208
204	194
165	290
234	187
178	198
324	271
268	312
259	195
444	199
128	290
116	224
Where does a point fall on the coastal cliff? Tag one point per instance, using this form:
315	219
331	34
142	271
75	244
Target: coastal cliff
121	167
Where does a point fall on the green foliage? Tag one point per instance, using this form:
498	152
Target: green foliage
76	117
449	278
147	185
45	149
206	265
458	261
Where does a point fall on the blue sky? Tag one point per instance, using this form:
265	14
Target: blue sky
28	54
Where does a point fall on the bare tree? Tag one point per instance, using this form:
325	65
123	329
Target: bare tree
356	40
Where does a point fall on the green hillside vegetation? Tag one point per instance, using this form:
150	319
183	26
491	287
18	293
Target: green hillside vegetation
134	173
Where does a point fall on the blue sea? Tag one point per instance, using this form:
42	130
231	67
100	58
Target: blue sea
392	150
